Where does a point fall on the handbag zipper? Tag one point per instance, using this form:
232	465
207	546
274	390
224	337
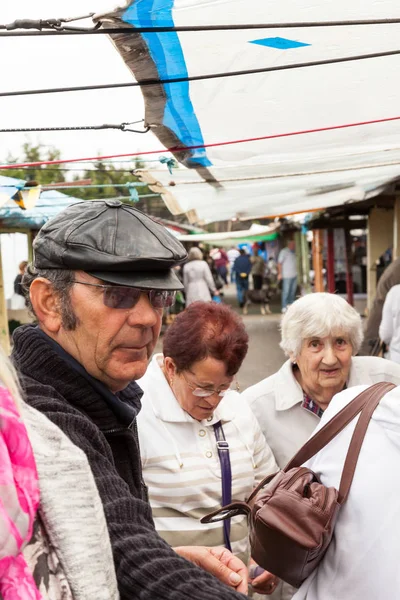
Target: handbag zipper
295	477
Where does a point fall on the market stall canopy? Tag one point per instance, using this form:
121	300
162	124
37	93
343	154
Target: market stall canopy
256	233
48	205
9	187
295	135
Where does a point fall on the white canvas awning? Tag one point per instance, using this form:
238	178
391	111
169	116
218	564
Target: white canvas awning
256	233
319	127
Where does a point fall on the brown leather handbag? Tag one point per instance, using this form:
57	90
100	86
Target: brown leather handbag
291	513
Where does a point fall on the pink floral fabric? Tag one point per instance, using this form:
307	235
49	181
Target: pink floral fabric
19	501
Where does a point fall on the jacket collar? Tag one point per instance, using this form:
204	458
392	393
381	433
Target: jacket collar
288	391
166	407
37	359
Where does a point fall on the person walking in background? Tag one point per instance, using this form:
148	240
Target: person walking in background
232	253
257	270
18	299
287	273
17	281
242	268
218	281
197	278
389	329
221	262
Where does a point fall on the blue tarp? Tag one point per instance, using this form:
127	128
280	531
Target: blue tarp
49	205
9	187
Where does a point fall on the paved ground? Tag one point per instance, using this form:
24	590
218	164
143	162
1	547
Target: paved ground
264	357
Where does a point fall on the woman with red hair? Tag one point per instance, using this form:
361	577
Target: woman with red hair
201	445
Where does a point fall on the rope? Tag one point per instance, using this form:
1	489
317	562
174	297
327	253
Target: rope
58	29
147	82
200	146
92	185
127	197
114	162
121	127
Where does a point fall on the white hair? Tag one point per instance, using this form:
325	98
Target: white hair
195	254
318	315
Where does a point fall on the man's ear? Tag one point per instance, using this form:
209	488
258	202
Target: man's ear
46	304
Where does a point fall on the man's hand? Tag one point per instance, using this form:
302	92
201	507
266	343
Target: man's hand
219	562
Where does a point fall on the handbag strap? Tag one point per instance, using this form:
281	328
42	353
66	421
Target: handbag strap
369	399
226	477
358	438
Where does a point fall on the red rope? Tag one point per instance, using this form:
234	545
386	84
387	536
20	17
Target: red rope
216	144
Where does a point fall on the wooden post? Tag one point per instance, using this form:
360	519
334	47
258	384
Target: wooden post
349	268
317	246
331	262
379	239
30	247
396	228
4	333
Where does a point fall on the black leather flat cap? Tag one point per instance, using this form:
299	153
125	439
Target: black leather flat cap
112	241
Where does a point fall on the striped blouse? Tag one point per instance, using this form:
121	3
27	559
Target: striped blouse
181	465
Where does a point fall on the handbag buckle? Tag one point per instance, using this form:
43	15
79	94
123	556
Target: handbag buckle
222	445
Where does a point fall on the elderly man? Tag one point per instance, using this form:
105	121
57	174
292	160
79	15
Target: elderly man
102	274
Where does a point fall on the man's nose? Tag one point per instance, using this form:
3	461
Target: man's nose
143	314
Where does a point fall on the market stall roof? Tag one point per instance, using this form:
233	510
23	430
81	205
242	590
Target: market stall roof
9	186
256	233
290	136
274	190
48	205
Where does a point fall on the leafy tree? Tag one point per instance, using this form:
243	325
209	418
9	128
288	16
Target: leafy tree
43	173
101	173
104	174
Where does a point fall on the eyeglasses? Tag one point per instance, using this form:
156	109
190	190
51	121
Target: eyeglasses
119	296
202	393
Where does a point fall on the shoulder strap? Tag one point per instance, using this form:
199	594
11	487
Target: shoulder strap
358	438
338	423
226	476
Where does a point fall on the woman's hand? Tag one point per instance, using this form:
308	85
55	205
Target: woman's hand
265	582
218	562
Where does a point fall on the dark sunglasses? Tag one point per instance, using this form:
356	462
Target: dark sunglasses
119	296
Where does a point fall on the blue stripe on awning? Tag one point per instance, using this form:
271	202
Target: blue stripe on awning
279	43
166	51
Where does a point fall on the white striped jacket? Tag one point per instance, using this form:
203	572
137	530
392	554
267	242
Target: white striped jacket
181	466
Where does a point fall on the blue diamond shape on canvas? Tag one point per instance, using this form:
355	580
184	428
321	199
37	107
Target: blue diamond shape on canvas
279	43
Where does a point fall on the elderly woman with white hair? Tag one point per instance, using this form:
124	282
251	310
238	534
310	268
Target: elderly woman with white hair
197	278
321	334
